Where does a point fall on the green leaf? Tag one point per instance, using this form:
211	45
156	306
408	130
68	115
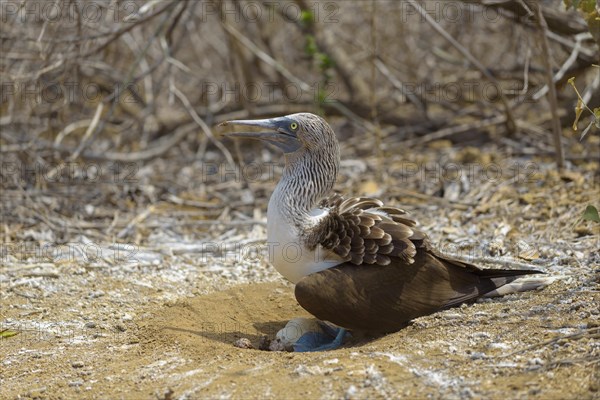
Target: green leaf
571	4
324	61
311	45
307	17
591	214
7	333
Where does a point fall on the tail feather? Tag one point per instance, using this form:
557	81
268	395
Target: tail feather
487	282
506	273
521	284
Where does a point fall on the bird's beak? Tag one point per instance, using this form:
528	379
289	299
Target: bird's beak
280	134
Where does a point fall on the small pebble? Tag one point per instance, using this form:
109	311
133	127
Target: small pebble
451	316
478	355
243	343
499	345
77	364
351	392
96	294
535	361
90	324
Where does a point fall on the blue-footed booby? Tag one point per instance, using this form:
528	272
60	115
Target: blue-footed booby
363	265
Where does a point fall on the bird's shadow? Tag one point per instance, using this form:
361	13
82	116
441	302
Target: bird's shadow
229	333
362	338
232	330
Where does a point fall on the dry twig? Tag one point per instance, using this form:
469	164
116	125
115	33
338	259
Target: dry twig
510	119
560	159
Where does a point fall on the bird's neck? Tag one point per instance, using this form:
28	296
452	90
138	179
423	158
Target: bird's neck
307	178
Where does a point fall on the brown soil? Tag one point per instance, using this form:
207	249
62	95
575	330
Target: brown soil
514	347
161	323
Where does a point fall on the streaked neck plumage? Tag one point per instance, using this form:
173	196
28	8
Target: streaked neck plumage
308	176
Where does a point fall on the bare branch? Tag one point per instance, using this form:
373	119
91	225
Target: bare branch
510	119
556	129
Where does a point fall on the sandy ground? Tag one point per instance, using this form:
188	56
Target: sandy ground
536	345
159	321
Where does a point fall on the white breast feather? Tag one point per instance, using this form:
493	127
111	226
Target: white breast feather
286	251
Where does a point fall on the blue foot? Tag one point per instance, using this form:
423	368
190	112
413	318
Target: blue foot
330	339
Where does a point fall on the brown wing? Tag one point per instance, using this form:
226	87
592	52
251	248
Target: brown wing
362	231
407	278
385	298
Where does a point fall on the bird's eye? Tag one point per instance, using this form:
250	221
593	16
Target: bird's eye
294	126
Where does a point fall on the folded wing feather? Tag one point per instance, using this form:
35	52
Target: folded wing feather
362	231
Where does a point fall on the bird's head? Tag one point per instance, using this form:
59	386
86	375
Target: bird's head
292	133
